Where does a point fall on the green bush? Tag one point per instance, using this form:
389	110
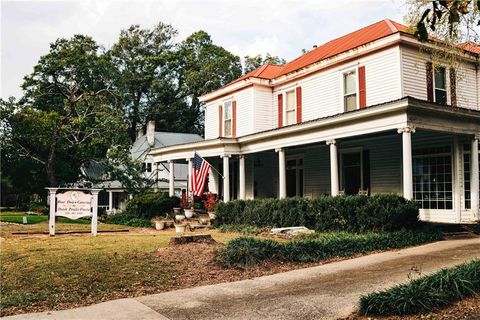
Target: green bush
38	208
242	228
343	213
317	247
425	294
245	252
153	204
127	219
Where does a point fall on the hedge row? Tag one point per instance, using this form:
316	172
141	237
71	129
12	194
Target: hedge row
425	294
246	251
151	205
383	212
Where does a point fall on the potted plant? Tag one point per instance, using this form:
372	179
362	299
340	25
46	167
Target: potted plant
180	227
188	208
162	222
211	203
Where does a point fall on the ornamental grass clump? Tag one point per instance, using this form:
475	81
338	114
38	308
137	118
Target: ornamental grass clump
246	252
426	293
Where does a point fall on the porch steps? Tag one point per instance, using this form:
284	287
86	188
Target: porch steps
459	231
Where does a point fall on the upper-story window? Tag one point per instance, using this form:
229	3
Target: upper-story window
147	167
350	90
440	83
290	108
227	116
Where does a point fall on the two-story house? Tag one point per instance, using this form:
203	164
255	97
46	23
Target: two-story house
370	112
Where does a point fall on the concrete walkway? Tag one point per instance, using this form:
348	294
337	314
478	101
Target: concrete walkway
325	292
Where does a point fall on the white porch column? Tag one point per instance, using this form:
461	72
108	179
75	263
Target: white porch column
407	161
52	196
110	201
171	178
190	174
474	178
282	174
457	178
226	177
334	181
241	175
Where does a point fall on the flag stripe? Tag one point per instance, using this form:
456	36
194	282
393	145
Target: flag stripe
199	175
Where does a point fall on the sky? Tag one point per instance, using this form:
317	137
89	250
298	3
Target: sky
244	27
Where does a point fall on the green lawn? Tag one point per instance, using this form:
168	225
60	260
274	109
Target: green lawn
17	217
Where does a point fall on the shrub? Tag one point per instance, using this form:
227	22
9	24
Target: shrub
317	247
426	293
245	252
38	208
127	219
242	228
343	213
153	204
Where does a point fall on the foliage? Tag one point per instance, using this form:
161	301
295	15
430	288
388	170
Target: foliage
211	202
343	213
426	293
243	229
253	62
153	204
128	219
244	252
38	208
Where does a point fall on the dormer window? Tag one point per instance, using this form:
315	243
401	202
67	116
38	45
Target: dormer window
350	90
290	108
440	83
147	167
227	116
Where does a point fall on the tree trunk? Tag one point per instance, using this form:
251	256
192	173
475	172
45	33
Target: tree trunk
50	163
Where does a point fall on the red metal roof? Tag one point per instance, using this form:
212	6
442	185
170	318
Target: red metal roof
470	46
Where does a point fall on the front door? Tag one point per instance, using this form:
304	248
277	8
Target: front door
294	177
352	172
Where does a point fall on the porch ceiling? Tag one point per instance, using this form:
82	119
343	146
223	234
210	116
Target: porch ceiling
384	117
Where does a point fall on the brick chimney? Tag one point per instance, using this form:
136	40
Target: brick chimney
151	133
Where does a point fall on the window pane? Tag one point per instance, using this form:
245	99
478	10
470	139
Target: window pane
440	96
228	110
351	102
290	100
440	78
291	117
228	127
349	82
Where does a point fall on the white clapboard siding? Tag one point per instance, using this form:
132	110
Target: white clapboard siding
414	75
467	86
211	121
263	108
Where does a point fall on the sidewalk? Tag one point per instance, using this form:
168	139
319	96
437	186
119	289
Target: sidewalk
324	292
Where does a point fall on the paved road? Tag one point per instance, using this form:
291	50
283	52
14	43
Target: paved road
324	292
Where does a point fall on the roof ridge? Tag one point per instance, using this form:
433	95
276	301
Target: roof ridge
390	25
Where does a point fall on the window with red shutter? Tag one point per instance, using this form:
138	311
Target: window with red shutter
280	110
299	104
362	88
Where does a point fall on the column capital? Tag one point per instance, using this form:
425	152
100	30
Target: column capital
407	129
279	149
52	190
331	141
225	155
170	161
95	191
241	156
476	136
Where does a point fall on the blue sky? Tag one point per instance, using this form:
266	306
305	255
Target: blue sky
246	27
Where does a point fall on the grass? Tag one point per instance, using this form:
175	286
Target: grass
43	273
17	217
428	293
245	252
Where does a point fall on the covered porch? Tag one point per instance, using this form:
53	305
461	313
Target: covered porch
425	152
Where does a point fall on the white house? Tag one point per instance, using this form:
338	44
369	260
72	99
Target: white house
370	112
157	173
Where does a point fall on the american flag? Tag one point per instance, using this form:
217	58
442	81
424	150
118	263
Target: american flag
199	175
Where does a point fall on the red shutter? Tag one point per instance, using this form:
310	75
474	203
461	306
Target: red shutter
362	87
280	110
429	71
234	119
220	122
299	104
453	87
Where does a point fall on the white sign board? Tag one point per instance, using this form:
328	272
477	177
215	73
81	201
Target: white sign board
74	204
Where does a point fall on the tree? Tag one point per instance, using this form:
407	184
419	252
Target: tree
253	62
452	21
64	114
141	71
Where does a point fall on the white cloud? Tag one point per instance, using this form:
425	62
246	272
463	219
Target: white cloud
245	27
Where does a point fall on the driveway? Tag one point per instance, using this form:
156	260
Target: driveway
324	292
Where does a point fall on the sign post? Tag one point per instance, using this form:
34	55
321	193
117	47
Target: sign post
73	204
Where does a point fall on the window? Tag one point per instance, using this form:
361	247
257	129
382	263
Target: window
227	116
290	108
350	90
147	167
432	178
355	171
440	79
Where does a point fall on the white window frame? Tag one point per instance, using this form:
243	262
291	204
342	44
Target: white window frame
297	157
284	107
224	118
447	83
342	84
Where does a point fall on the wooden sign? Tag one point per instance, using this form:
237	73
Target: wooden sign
74	204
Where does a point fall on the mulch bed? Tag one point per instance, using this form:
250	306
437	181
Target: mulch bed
467	309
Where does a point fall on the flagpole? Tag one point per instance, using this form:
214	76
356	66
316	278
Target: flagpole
211	166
